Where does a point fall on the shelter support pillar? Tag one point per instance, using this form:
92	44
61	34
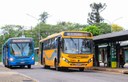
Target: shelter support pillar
108	56
117	54
96	56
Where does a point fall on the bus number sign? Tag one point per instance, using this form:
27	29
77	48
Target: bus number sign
21	40
77	34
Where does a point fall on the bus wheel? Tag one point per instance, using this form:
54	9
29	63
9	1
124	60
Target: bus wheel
10	67
56	66
81	69
45	66
29	66
5	66
22	66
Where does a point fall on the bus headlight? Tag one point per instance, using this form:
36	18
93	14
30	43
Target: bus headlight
32	58
11	59
66	60
90	60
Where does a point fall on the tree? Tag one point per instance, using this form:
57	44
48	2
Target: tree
43	17
12	30
68	26
116	28
104	27
9	31
93	29
94	16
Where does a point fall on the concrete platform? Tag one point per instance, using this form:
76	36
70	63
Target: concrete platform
116	70
14	77
7	75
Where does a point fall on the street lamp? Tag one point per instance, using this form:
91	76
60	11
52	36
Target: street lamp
111	22
38	22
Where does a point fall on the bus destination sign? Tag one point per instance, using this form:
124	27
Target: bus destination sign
21	40
77	34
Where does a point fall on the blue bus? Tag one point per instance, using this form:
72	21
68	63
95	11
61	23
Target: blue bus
18	52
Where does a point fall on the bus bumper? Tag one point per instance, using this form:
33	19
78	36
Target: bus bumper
18	63
75	65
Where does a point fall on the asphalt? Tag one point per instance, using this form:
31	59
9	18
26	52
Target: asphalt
7	75
107	69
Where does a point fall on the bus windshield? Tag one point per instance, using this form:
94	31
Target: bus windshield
77	46
21	49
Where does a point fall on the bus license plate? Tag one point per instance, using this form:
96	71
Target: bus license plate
78	64
22	62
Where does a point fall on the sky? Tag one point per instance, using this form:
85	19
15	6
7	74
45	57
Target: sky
26	12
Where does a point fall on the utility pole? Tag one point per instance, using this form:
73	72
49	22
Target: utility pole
39	36
111	22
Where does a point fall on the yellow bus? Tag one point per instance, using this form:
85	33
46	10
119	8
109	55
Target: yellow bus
67	49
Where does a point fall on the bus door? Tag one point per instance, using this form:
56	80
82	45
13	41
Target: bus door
5	55
58	49
41	55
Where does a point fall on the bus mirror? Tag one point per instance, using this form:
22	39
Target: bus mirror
7	46
56	39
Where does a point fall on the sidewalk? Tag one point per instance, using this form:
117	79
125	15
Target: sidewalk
117	70
6	75
14	77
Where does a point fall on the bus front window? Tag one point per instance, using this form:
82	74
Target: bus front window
85	46
71	46
77	46
21	49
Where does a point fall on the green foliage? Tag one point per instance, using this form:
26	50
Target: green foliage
43	30
116	28
104	28
94	16
43	17
93	29
9	31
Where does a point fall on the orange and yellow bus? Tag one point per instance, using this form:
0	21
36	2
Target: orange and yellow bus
67	50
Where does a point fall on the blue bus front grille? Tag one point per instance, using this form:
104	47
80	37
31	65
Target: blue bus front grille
23	63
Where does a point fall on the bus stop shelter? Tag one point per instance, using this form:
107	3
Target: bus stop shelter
113	47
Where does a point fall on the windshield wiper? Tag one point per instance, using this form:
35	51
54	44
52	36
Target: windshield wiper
73	42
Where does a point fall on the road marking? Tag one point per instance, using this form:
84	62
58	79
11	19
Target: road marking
28	77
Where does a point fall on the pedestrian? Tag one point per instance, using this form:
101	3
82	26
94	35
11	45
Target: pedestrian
121	60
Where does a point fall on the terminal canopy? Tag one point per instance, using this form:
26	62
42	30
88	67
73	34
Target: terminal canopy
111	37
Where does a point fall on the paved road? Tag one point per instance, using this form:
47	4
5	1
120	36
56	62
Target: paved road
50	75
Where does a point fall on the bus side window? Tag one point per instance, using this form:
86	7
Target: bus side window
46	45
55	42
52	42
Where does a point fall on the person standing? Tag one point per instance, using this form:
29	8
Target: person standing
121	59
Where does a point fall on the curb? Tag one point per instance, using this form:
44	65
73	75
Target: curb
123	71
27	77
22	77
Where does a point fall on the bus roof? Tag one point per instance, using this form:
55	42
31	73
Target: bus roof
16	38
51	36
62	33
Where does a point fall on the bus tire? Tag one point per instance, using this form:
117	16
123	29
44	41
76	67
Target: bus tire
81	69
22	66
65	69
45	66
56	66
29	66
10	67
